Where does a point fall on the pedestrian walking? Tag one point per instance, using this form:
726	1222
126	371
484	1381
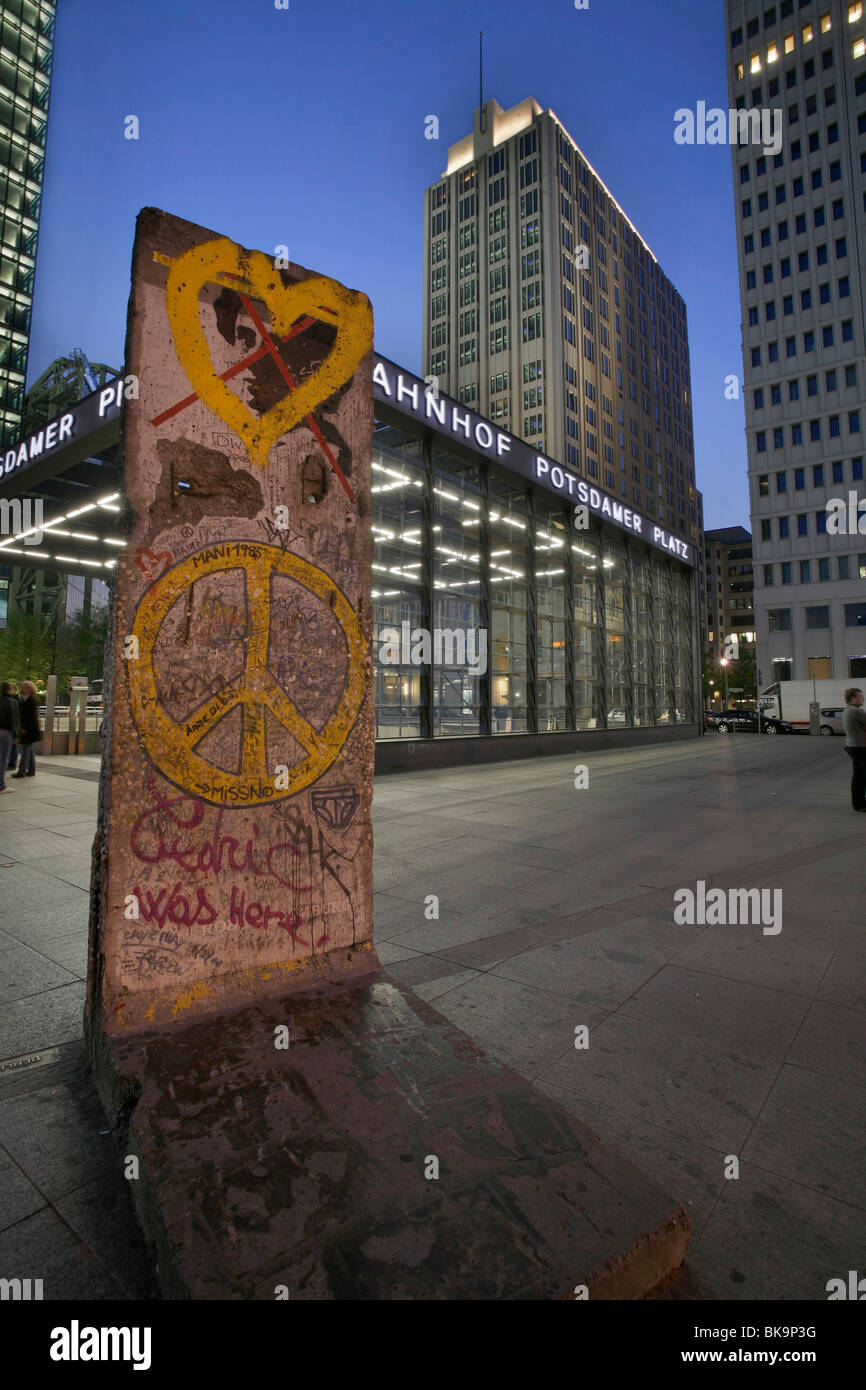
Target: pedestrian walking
854	724
9	726
13	755
30	731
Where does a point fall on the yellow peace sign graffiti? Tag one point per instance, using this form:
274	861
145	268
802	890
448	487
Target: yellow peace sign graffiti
171	743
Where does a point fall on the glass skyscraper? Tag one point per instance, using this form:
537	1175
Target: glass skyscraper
26	50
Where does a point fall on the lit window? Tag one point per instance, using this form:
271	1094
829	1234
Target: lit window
773	53
739	71
859	47
755	63
855	12
808	33
789	43
825	23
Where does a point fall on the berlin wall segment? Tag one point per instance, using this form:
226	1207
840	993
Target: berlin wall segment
234	842
233	854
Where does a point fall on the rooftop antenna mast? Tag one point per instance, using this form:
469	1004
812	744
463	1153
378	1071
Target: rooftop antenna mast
481	118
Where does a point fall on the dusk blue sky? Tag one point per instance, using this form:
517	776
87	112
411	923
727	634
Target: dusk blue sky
306	127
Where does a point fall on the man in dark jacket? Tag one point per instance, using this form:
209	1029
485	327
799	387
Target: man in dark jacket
9	725
854	724
30	731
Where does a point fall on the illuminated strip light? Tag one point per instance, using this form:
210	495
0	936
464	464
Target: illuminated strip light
392	472
73	560
51	526
625	217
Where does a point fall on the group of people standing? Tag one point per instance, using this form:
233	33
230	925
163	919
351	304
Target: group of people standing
19	730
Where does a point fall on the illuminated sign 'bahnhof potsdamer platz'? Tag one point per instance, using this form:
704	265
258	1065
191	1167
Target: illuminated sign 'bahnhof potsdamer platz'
518	608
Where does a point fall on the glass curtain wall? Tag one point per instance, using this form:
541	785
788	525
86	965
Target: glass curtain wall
400	593
617	624
684	710
472	604
642	639
460	635
509	663
587	664
551	540
663	635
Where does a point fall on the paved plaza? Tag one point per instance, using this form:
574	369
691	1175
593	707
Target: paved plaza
706	1043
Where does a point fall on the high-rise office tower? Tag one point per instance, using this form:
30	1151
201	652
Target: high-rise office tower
802	249
729	586
26	50
546	310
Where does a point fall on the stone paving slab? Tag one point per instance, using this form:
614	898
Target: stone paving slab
65	1211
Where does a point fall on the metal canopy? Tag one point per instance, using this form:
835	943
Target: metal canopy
76	483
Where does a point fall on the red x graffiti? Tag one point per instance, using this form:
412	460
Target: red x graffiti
267	348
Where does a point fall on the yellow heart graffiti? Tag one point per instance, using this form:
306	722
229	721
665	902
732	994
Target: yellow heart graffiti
221	259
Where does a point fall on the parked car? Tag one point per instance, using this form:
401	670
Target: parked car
713	718
831	721
746	721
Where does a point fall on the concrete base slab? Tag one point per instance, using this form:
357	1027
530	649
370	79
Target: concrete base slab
302	1172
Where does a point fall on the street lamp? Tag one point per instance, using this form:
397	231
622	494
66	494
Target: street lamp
725	665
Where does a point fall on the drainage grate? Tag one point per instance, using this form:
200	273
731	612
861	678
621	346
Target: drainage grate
30	1059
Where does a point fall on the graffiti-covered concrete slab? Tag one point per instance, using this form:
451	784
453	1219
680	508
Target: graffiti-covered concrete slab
234	850
294	1124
